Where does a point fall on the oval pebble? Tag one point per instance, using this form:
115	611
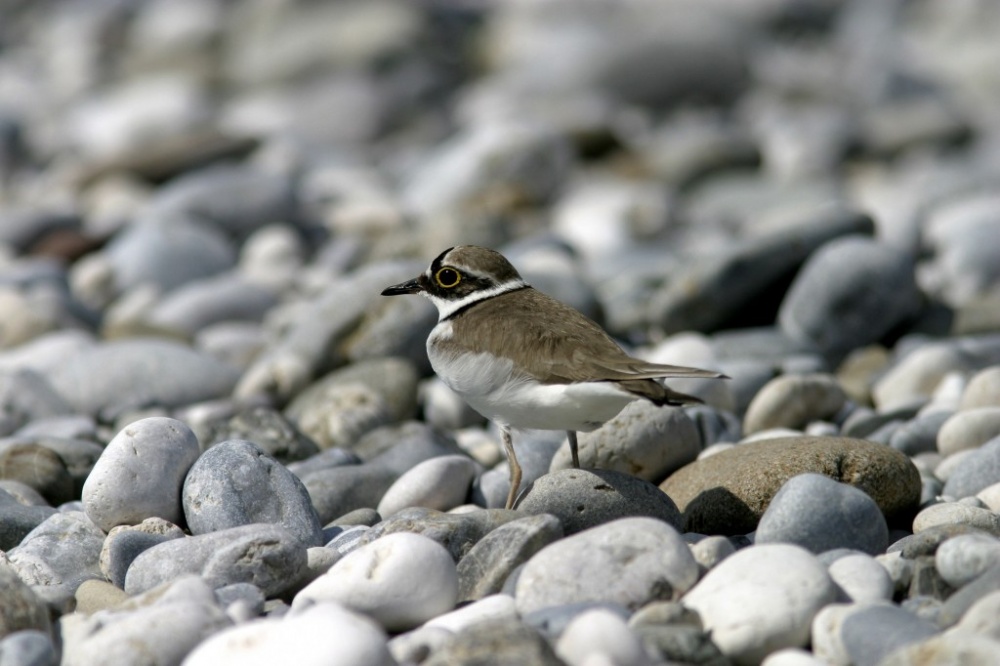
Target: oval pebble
400	580
947	648
236	483
629	561
37	467
20	608
965	557
762	599
968	429
794	401
124	543
140	474
862	578
440	483
600	634
983	390
953	513
976	471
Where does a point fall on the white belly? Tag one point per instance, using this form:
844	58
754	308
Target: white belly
488	384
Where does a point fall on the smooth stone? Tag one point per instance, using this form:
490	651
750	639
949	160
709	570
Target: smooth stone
782	587
850	292
113	377
29	647
728	492
500	641
680	642
140	474
487	565
236	343
269	430
27	396
969	429
643	440
337	409
266	555
953	513
440	483
870	633
963	558
600	634
535	453
919	435
400	580
584	498
711	550
862	578
912	378
975	472
820	514
794	401
327	459
401	447
990	497
339	490
22	493
201	303
629	561
21	609
79	455
97	595
58	555
124	543
928	541
969	650
458	533
236	483
792	657
983	617
983	389
335	636
958	603
37	467
17	519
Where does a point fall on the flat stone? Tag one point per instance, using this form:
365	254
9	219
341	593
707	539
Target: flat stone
644	440
140	474
820	514
266	555
583	498
782	588
630	561
794	401
727	493
486	566
236	483
399	580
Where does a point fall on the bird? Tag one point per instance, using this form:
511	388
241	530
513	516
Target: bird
525	360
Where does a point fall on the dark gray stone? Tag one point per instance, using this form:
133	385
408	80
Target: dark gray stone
870	634
21	609
326	459
126	542
272	432
820	514
920	434
267	555
486	566
17	520
583	498
457	532
976	471
236	483
37	467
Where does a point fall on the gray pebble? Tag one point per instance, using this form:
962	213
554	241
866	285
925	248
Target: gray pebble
236	483
440	483
37	467
953	513
17	519
957	604
394	327
269	430
819	514
983	617
326	459
965	557
140	473
247	593
225	298
862	578
630	561
28	648
22	609
975	472
485	567
870	634
458	532
583	498
348	539
506	641
266	555
643	440
338	490
124	543
26	396
919	435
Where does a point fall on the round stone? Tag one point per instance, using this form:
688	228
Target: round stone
953	513
37	467
400	580
794	401
862	578
124	543
969	429
599	634
983	390
820	514
913	378
140	474
630	561
762	599
977	470
963	558
440	483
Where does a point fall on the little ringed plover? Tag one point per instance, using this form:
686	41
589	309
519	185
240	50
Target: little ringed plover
525	360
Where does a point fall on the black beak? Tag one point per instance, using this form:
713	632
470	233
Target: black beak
408	287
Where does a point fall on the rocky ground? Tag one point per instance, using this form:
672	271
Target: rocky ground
220	445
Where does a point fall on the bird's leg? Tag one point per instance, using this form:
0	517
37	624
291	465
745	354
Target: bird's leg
515	468
573	448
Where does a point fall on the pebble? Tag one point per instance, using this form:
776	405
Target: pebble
911	379
919	435
862	578
968	429
322	634
124	543
629	561
959	601
492	607
27	396
983	389
22	609
783	586
976	471
583	498
502	641
982	617
394	327
236	483
269	430
17	519
488	564
866	633
822	306
965	557
400	580
600	634
711	550
820	514
197	305
990	496
457	532
96	595
440	483
643	440
266	555
794	401
535	453
28	648
728	492
140	474
38	468
113	377
946	649
953	513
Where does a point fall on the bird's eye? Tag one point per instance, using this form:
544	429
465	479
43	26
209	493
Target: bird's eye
448	277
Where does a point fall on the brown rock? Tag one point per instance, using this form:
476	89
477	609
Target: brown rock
727	493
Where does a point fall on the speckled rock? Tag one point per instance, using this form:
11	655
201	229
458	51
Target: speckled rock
583	498
727	493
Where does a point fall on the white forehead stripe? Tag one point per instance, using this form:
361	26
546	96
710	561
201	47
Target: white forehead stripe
447	308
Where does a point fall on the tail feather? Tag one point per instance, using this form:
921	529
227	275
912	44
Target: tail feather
657	393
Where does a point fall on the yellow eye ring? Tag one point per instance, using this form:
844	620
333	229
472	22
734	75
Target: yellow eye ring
447	277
